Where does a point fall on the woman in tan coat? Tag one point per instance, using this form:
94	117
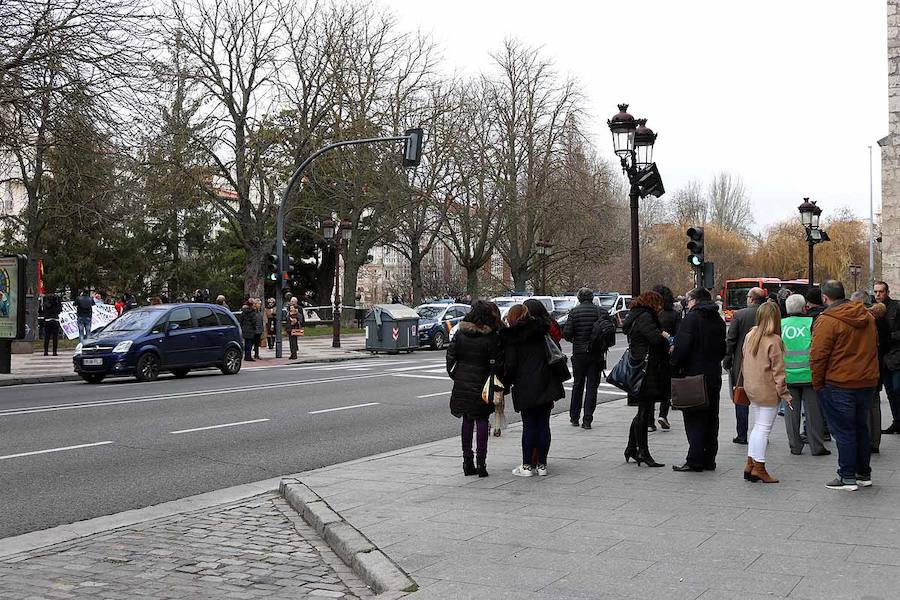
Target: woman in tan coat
764	382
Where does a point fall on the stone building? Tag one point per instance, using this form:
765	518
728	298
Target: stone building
890	155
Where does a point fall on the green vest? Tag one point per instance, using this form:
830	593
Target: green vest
796	332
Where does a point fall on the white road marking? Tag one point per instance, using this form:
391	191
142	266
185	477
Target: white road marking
614	393
435	394
414	368
317	412
414	376
54	450
219	426
141	399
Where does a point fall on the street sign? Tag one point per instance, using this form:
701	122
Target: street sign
12	297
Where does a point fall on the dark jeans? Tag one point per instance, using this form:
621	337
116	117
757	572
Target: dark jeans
848	415
587	374
891	381
256	340
469	426
741	413
51	331
664	407
536	434
702	427
292	340
637	435
248	348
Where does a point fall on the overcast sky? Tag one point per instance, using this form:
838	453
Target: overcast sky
788	95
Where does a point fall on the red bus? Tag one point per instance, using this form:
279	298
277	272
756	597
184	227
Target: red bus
734	296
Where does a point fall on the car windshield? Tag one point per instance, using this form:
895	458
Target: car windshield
564	306
430	312
134	320
502	303
607	302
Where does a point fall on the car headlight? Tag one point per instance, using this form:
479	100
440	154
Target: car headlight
78	350
122	347
427	325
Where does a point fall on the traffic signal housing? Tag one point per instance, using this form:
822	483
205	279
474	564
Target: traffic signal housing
412	151
272	267
696	257
289	268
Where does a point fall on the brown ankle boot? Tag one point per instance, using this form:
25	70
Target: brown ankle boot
759	473
748	468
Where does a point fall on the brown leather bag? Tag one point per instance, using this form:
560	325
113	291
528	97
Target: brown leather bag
738	394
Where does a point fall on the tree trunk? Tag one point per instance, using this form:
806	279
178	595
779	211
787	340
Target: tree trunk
253	283
472	281
350	274
418	288
31	291
325	277
520	279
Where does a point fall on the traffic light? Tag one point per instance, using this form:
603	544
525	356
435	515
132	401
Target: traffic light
289	268
696	258
272	267
412	153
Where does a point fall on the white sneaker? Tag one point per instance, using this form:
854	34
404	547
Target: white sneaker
542	470
523	471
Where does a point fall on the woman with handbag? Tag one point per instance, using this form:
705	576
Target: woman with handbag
649	345
764	381
473	359
296	321
699	350
535	386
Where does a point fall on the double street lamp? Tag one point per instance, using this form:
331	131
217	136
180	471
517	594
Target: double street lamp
633	143
809	216
855	270
544	249
335	234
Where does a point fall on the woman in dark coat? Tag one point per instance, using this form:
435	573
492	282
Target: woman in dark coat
646	339
471	357
669	319
247	321
534	386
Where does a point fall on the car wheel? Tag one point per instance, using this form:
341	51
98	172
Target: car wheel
147	367
232	363
180	373
93	377
439	341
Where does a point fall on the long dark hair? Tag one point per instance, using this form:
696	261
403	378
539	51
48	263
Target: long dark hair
537	310
668	299
483	314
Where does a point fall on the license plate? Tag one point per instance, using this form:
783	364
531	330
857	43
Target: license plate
92	362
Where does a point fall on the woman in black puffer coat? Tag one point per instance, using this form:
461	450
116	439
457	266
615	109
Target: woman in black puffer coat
669	320
471	356
534	386
646	339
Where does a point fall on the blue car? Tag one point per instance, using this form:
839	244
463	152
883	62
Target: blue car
436	321
146	341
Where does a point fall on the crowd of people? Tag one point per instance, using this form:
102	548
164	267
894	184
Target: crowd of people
819	360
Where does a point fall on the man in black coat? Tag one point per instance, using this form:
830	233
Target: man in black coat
699	350
742	322
586	366
890	363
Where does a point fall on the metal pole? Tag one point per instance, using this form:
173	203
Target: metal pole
871	230
336	312
635	244
811	246
279	221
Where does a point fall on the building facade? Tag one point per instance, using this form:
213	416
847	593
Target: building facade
890	155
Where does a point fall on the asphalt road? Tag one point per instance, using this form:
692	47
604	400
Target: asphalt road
72	451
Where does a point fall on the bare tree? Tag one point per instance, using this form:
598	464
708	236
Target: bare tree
728	203
689	204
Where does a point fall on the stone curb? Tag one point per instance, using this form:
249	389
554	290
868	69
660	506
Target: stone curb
356	550
22	380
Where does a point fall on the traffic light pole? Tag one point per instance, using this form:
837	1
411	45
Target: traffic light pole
279	223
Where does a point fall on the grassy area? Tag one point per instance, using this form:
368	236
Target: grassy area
318	331
64	344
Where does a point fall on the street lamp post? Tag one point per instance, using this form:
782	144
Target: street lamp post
855	270
544	248
809	216
336	235
633	143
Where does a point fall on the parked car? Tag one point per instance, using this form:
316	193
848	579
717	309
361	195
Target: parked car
562	305
436	320
615	304
146	341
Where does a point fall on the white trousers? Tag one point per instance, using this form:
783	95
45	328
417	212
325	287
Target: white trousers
763	418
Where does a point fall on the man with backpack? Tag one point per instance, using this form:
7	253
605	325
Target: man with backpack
592	332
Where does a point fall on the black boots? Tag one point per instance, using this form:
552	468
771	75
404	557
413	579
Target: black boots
469	466
482	466
643	456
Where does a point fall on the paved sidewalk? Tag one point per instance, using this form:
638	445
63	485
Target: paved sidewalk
254	548
600	528
37	368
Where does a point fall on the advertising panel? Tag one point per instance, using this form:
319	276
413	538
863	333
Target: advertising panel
12	297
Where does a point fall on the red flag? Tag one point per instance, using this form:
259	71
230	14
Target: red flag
40	267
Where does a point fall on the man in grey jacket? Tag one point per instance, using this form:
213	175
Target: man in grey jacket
742	321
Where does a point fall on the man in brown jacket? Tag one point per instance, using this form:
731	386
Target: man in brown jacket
843	358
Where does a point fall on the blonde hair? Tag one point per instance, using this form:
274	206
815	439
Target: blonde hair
768	322
516	313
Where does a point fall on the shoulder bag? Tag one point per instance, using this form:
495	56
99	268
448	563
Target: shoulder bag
628	374
556	359
689	393
739	394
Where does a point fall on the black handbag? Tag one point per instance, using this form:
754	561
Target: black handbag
628	374
689	393
556	359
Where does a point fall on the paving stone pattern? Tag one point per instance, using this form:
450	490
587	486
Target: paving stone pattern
255	548
599	528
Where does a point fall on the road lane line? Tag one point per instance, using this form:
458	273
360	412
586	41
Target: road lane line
414	368
616	393
318	412
54	450
435	394
141	399
220	426
414	376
